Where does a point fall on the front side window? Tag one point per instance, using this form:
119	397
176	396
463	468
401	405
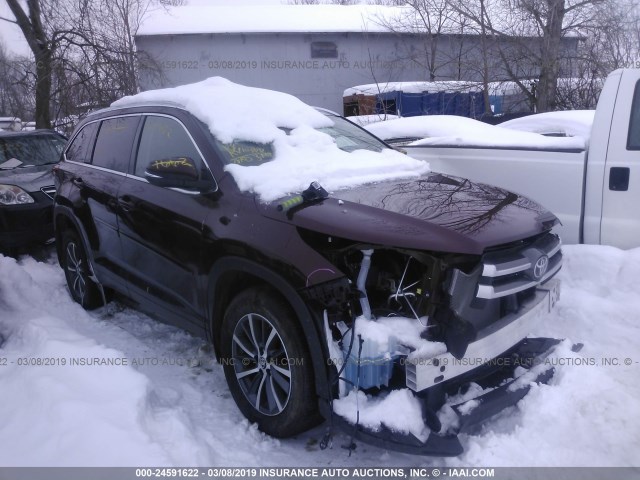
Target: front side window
633	140
81	148
114	143
164	138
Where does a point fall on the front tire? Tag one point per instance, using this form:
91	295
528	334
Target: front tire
267	364
77	272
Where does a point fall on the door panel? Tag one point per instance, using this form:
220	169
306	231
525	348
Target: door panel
93	192
620	225
161	228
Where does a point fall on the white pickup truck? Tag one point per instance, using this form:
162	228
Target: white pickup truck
594	190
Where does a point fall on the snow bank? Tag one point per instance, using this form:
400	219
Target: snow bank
55	413
101	410
447	130
588	416
235	112
574	123
399	411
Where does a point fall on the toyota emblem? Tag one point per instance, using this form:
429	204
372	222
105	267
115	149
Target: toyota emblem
540	268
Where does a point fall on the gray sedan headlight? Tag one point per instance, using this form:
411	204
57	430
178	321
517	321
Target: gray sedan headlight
12	195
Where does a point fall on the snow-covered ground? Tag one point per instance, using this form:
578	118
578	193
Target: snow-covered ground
162	401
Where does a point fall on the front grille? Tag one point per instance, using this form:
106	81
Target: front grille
514	270
49	191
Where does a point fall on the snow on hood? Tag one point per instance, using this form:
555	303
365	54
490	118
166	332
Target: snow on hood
235	112
455	130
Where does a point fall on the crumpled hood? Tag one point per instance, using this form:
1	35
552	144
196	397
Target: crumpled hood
436	212
31	179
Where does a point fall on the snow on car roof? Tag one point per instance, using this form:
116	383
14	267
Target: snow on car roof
454	130
573	123
304	154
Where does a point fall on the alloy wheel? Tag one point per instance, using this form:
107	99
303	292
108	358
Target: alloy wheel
261	364
76	270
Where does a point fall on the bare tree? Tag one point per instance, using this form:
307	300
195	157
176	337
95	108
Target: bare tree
84	51
43	48
431	21
541	34
16	86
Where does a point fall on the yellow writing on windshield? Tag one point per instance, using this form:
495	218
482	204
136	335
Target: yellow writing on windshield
242	153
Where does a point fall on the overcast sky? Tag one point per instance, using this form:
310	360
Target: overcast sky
14	42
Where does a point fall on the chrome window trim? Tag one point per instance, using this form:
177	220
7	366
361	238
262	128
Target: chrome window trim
95	167
72	139
202	159
127	175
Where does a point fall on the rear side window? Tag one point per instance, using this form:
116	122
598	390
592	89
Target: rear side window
633	140
164	138
114	143
81	148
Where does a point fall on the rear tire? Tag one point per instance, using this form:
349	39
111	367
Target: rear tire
267	364
77	272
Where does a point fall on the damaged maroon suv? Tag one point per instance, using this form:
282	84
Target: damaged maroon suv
328	292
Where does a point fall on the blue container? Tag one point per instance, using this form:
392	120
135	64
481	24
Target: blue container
374	372
376	362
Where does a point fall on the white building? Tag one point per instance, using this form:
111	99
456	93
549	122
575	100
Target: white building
312	51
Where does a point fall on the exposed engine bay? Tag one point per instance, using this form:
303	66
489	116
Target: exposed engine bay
450	299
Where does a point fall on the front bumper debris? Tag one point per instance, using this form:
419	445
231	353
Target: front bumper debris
498	337
507	389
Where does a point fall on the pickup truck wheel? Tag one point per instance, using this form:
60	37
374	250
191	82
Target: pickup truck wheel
267	365
76	270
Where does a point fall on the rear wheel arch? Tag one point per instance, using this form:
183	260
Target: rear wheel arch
64	219
78	271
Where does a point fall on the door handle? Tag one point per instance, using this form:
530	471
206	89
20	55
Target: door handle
77	181
112	205
126	204
619	179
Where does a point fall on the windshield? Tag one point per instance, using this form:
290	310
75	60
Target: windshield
346	135
30	150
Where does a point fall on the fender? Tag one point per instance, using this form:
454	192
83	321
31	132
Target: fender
312	330
69	215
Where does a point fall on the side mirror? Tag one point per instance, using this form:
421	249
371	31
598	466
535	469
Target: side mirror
176	172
